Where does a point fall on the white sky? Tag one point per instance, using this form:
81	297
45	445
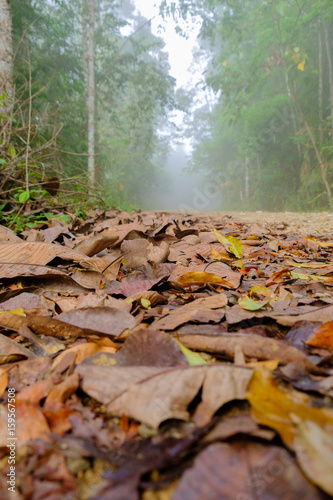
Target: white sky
178	47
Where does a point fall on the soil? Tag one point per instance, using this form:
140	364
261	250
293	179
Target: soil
310	224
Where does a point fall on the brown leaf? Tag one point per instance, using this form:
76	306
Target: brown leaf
151	394
222	384
60	392
148	348
12	351
106	320
253	346
244	470
95	244
20	269
314	450
7	235
195	311
36	253
43	325
30	423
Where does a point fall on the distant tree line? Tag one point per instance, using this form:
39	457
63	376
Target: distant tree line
269	141
83	101
85	93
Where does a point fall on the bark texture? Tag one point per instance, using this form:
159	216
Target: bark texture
6	57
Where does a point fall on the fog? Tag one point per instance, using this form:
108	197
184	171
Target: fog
177	188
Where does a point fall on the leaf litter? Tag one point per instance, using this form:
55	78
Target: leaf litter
158	355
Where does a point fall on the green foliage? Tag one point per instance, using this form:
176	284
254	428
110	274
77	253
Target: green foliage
133	93
21	222
265	69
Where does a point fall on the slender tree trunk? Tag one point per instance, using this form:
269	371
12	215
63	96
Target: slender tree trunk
91	94
323	166
320	86
85	22
286	76
247	179
6	60
330	67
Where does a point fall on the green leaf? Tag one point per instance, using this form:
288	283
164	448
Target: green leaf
24	196
252	305
193	358
11	151
3	162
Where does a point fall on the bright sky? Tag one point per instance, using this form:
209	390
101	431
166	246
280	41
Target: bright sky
179	48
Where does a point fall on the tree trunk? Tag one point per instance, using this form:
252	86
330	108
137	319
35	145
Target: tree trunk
286	76
323	166
85	44
6	60
91	94
247	179
330	68
320	86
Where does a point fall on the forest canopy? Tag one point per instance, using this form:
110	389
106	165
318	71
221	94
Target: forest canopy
87	102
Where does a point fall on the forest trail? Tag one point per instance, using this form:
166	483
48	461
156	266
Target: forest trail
313	223
149	355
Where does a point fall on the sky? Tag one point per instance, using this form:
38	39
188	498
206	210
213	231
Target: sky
179	48
177	186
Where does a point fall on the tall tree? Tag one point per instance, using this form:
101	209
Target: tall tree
6	58
91	94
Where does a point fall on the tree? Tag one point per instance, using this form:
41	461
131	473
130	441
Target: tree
6	59
274	110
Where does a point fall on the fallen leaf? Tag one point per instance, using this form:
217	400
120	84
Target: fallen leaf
276	408
314	450
322	337
244	471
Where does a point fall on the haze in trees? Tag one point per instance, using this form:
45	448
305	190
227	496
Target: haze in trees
87	97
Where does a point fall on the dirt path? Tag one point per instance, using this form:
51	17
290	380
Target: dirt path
313	224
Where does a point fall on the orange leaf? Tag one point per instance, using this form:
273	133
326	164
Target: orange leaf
322	337
201	278
3	380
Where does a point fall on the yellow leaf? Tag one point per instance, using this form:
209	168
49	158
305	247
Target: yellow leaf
310	266
145	303
321	243
276	408
18	312
260	290
252	305
193	358
234	245
301	65
218	255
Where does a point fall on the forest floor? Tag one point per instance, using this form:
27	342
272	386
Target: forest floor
165	356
